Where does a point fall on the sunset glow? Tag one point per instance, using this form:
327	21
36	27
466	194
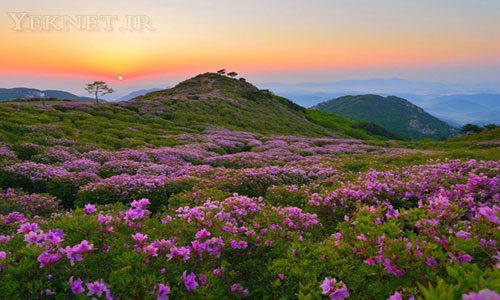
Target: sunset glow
341	37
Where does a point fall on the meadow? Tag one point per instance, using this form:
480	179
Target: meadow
226	214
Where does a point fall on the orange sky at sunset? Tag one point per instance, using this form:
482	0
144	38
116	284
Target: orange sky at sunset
340	37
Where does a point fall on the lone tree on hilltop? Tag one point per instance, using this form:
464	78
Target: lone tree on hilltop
221	72
232	74
98	89
470	128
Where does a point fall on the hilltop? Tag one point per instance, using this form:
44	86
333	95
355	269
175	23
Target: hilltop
393	113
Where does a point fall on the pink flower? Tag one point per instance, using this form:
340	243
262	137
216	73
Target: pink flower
179	252
33	237
485	294
104	219
140	203
202	234
76	252
396	296
4	239
140	238
47	258
190	281
238	289
27	227
238	245
163	291
89	208
362	237
71	254
489	213
76	286
334	290
463	235
97	288
3	255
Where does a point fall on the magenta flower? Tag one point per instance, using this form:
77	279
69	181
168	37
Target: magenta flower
335	290
396	296
47	258
202	234
463	235
97	288
489	213
485	294
76	285
76	252
33	237
140	203
3	255
27	227
90	208
140	238
179	252
163	291
238	289
190	281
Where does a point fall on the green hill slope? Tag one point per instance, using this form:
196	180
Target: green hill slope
203	102
393	113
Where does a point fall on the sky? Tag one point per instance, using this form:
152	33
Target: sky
288	41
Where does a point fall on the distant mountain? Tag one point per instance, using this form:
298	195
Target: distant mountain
135	94
393	113
471	108
28	93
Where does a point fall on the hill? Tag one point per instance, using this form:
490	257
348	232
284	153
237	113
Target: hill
393	113
201	103
29	93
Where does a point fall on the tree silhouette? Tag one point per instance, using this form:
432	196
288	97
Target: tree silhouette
232	74
221	72
98	89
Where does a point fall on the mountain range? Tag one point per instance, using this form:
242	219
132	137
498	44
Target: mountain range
29	93
393	113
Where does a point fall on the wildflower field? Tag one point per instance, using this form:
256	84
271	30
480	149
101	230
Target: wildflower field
232	215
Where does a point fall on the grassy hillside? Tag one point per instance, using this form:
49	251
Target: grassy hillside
203	102
393	113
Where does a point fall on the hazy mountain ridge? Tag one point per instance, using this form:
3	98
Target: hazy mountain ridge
135	94
393	113
455	103
29	93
